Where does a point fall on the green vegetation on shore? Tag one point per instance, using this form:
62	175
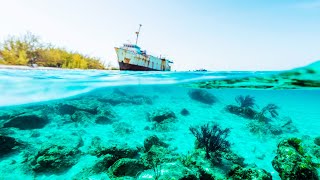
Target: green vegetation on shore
28	50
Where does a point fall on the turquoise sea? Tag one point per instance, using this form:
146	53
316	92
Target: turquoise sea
72	124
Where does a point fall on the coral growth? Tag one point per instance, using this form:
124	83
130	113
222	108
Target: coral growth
212	138
245	101
153	140
245	108
272	109
249	173
292	162
54	159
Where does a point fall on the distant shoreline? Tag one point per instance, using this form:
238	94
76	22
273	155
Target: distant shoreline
21	67
2	66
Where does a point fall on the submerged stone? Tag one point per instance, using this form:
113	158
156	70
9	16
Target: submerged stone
7	145
249	173
117	150
123	128
153	140
184	112
245	112
161	115
104	120
54	159
156	155
106	115
202	96
170	171
291	162
81	117
66	109
104	163
116	98
126	167
317	141
26	122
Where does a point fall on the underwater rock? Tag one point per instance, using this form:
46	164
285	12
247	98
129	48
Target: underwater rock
202	96
104	120
106	115
184	112
197	162
281	126
117	150
167	171
78	105
233	158
116	98
122	128
7	145
26	122
153	140
249	173
286	125
291	161
56	155
317	140
162	114
262	129
64	109
157	155
82	117
126	167
104	163
54	159
245	112
35	134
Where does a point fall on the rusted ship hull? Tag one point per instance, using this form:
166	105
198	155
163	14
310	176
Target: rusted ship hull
131	67
133	59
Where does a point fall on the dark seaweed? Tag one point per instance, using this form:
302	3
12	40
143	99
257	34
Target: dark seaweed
245	101
212	138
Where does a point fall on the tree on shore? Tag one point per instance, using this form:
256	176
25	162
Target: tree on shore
28	49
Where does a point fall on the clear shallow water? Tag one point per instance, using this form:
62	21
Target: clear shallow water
64	122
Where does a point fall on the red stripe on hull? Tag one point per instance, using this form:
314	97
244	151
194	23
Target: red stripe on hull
131	67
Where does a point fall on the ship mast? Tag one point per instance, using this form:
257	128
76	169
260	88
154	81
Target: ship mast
138	32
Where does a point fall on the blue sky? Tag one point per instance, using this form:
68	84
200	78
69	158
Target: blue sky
211	34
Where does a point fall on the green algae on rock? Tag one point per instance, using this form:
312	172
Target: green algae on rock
292	162
153	140
54	159
55	156
249	173
126	167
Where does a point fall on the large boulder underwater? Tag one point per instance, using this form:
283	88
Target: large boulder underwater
294	160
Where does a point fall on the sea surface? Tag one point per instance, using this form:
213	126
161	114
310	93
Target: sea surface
88	124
